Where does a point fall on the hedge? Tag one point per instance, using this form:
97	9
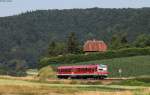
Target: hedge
72	58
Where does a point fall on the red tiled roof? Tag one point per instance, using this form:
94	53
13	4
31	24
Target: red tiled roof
94	46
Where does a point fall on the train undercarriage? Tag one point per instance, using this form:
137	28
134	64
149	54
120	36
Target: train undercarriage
82	77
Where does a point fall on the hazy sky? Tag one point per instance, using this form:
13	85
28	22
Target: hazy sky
19	6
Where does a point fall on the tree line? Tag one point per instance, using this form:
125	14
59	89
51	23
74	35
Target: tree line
117	41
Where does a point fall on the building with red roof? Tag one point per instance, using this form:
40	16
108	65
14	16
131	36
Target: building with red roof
94	46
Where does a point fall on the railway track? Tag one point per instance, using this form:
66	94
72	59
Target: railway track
86	81
90	80
117	78
105	79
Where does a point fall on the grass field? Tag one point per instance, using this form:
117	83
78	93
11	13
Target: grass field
21	87
131	66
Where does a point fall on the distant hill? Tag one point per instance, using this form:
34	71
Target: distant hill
26	36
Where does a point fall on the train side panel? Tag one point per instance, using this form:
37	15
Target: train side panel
81	72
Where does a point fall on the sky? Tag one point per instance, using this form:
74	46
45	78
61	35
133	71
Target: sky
13	7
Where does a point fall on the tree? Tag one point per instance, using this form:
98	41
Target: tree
142	41
16	67
115	42
51	49
56	49
119	41
124	41
72	44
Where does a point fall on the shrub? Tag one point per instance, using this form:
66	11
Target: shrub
46	73
72	58
143	79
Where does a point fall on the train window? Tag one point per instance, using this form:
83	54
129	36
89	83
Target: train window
92	69
69	70
63	70
86	69
79	70
82	69
66	70
76	69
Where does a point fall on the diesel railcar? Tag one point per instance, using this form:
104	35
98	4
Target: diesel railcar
95	71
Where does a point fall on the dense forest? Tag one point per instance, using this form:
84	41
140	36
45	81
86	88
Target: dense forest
24	38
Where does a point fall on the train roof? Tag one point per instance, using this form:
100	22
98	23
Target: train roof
79	66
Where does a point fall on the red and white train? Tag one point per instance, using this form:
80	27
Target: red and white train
96	71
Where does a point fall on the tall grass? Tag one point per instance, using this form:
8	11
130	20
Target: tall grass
32	90
20	87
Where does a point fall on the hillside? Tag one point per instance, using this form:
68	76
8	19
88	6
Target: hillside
26	36
131	66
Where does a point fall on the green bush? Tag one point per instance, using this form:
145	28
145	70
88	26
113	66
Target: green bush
46	73
143	79
72	58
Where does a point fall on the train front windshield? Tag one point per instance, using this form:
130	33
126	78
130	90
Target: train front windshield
102	67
